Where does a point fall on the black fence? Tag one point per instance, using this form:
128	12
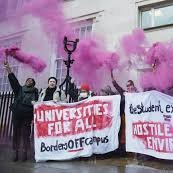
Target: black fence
6	98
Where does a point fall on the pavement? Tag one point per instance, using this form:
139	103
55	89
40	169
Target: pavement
109	163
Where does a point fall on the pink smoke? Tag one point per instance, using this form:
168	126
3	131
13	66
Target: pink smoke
159	53
160	79
34	62
91	60
2	54
133	44
160	56
50	13
91	54
112	61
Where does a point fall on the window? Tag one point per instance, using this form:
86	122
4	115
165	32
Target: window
156	16
82	29
60	70
4	84
3	10
8	7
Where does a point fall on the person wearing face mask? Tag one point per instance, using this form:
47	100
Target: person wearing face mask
22	112
52	92
84	92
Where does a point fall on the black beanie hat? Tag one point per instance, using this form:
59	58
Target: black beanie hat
53	78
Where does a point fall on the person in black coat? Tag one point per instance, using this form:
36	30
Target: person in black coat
130	89
22	112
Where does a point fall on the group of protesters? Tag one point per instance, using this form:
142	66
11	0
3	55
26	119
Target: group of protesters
26	96
22	109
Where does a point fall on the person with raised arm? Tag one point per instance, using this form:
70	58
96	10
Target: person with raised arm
22	112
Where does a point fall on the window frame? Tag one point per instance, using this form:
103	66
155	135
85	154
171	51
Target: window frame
152	8
83	24
60	69
8	10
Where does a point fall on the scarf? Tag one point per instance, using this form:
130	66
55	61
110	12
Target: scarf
49	94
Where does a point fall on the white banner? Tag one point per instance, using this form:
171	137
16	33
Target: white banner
149	124
69	130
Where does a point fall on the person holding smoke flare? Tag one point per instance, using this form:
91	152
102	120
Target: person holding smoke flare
131	89
22	112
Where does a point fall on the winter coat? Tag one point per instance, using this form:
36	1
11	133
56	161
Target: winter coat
58	96
121	92
22	107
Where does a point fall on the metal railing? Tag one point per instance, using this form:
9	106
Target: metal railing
6	99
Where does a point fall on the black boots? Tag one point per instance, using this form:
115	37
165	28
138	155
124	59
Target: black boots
24	156
15	156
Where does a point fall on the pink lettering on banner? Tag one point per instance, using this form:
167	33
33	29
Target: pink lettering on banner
63	120
156	136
